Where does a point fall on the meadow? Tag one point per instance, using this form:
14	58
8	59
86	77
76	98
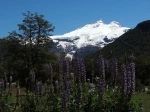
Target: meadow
69	89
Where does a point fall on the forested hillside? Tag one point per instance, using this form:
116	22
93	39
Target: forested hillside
135	41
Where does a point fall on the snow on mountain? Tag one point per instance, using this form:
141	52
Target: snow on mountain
95	35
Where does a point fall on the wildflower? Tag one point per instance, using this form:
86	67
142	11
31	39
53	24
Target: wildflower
83	71
101	67
65	76
129	81
132	69
123	79
64	101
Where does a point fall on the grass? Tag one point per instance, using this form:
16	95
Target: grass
146	100
144	96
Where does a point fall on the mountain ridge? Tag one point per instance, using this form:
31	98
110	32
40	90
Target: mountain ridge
96	35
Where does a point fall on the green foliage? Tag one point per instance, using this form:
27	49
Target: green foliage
113	102
5	104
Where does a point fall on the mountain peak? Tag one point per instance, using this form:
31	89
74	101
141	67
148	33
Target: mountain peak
115	23
145	25
100	21
97	34
94	25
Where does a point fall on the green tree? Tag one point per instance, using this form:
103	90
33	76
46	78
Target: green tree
30	46
34	34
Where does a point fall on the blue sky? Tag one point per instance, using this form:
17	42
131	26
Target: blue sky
67	15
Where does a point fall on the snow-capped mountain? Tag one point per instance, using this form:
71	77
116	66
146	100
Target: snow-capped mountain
89	38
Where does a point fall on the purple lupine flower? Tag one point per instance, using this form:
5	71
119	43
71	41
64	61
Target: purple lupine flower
65	76
79	76
64	101
101	83
131	76
101	67
123	80
78	71
83	71
129	81
132	69
132	66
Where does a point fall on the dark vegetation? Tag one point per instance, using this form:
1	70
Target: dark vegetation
28	48
71	91
137	42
